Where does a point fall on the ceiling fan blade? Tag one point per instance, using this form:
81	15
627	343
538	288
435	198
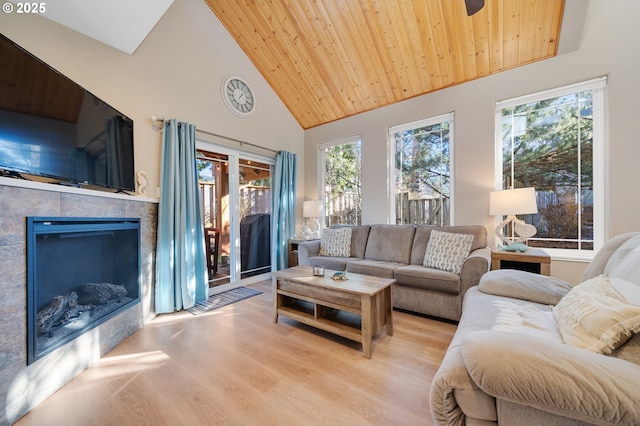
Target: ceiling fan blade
473	6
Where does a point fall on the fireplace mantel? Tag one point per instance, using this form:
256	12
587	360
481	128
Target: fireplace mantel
60	188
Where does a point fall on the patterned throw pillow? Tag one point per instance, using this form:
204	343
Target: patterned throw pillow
336	242
596	317
447	251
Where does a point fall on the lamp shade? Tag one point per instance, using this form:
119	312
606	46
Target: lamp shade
513	201
312	208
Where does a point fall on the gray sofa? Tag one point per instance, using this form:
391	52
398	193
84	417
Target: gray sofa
398	251
515	358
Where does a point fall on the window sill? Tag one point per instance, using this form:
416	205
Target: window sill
585	256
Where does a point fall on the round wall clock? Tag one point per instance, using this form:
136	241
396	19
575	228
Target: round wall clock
238	96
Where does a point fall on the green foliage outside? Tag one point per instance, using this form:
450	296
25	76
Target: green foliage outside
423	175
546	144
343	189
422	161
549	145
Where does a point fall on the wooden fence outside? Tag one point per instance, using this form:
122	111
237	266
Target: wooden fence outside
426	211
343	208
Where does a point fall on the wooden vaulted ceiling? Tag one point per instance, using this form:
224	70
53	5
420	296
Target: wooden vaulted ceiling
330	59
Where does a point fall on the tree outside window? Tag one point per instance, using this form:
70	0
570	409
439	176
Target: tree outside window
342	186
422	171
548	144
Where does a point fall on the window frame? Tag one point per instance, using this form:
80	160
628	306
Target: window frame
322	147
391	169
598	86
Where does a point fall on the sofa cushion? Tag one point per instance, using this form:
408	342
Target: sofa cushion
330	262
599	262
619	257
391	243
524	285
447	251
423	233
336	242
359	237
428	278
627	268
630	291
595	317
376	268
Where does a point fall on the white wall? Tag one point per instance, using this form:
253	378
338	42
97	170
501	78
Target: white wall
175	73
187	87
608	46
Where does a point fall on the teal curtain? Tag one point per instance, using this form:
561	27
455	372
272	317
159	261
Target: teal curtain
181	271
283	219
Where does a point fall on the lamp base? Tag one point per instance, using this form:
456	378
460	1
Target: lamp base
311	228
518	228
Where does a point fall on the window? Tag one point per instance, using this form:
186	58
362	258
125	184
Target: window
340	182
554	141
421	171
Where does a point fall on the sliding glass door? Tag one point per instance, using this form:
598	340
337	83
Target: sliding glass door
213	173
235	190
254	194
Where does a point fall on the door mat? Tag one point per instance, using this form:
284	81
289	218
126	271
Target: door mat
223	299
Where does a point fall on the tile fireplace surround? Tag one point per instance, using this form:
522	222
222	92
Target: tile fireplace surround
21	386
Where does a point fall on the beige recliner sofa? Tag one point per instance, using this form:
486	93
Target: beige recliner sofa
530	349
398	251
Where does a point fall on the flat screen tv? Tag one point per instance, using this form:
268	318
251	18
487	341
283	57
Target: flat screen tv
52	129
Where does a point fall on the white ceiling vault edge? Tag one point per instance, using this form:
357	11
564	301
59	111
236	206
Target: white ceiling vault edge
122	24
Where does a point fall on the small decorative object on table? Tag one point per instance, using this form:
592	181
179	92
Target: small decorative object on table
340	275
519	247
318	271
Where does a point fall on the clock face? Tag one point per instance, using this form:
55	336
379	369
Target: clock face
238	96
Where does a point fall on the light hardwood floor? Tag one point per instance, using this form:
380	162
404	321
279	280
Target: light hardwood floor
234	366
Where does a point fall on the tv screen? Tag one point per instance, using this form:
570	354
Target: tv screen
53	128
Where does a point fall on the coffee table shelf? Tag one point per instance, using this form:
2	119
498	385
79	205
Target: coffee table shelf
323	323
319	302
355	309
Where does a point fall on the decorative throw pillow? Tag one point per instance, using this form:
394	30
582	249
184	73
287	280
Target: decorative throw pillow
447	251
335	242
594	316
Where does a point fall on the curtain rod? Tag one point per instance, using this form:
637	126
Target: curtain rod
241	142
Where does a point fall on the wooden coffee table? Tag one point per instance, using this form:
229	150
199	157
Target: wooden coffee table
356	308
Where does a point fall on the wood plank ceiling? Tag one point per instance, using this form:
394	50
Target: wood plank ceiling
330	59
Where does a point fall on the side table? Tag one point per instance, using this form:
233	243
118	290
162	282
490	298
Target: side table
532	260
293	250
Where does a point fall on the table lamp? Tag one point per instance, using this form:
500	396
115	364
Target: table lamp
312	210
511	202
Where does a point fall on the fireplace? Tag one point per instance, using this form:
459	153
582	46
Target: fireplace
80	273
